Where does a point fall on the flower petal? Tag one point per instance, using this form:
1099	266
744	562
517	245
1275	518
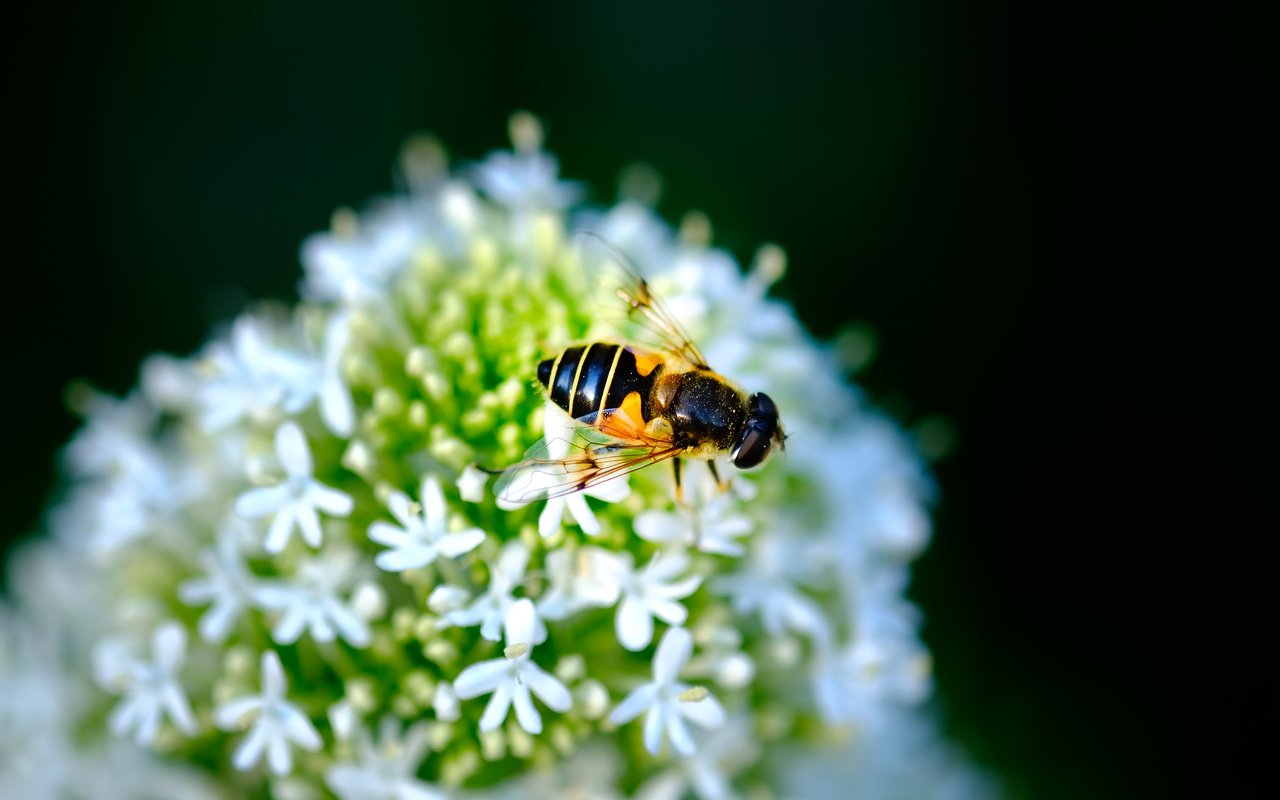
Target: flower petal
633	624
520	622
548	689
496	711
654	726
331	501
707	712
453	545
291	446
526	714
481	678
273	684
169	646
261	501
433	508
634	704
250	749
673	653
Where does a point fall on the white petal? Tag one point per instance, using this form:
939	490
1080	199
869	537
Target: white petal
453	545
273	684
291	446
298	728
278	755
678	732
471	484
706	712
445	703
633	624
611	491
549	519
387	534
512	562
660	526
309	524
250	749
673	653
352	628
520	623
261	501
331	501
281	527
577	505
336	408
654	725
634	704
289	628
169	646
481	678
228	716
548	689
682	588
669	612
405	558
526	714
175	702
433	507
496	711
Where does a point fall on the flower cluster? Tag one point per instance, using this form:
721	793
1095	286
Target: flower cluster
286	566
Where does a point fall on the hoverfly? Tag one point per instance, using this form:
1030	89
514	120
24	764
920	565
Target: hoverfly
633	406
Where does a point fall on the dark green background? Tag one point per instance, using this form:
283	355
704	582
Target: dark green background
999	192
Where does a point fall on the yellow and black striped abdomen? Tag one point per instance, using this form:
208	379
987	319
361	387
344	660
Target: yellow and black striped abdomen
588	378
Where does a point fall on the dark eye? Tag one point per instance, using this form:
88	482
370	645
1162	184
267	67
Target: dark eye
754	447
757	437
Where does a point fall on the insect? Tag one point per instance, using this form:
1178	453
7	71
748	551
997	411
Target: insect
633	405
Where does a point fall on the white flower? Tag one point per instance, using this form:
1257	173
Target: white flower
277	722
511	679
648	593
579	579
711	522
424	536
707	772
226	584
152	689
489	610
387	770
766	585
298	499
356	267
310	601
471	484
527	179
254	377
668	701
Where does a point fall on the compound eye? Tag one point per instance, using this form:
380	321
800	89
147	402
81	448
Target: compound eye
754	447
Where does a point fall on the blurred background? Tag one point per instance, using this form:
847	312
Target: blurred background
999	193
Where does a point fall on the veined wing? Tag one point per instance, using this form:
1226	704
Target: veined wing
630	304
596	448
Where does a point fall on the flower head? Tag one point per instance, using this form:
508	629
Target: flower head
406	373
668	701
275	723
298	500
511	679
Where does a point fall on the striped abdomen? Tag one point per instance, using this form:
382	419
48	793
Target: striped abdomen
588	378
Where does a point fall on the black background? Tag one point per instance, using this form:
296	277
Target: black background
1019	202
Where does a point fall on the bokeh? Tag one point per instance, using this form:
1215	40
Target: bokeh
953	180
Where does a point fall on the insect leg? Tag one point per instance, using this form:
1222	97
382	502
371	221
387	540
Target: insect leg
721	483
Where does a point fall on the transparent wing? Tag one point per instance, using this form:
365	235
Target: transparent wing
594	449
627	302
